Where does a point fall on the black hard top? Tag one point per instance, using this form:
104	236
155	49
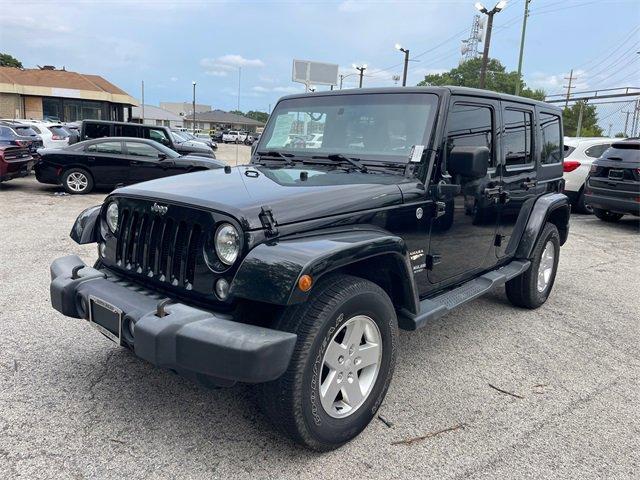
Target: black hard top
446	90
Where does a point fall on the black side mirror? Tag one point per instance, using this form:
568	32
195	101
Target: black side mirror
162	156
468	161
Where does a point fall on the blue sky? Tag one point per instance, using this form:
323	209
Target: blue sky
169	44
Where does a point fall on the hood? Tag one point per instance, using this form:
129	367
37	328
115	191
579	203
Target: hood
246	189
198	160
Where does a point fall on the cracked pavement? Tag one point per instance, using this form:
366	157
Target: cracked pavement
72	405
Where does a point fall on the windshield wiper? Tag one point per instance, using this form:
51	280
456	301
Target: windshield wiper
338	157
274	154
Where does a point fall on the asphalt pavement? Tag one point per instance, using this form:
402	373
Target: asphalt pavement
490	391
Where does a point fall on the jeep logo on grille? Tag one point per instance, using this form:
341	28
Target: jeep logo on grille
159	209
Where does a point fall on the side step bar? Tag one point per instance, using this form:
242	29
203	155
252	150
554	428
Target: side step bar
436	307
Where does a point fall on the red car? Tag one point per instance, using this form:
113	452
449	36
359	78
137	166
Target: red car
14	162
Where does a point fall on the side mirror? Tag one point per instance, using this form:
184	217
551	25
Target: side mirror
468	161
162	156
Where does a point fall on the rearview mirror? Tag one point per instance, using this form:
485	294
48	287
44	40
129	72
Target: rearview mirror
468	161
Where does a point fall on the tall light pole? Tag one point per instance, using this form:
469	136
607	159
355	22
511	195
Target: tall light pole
194	106
406	63
487	38
361	69
524	29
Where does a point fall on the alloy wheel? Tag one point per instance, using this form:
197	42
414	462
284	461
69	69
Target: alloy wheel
545	269
77	181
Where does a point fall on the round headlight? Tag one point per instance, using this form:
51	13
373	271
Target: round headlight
112	217
227	243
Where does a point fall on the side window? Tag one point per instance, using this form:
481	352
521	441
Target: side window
551	138
141	150
158	136
471	126
106	147
96	130
597	150
517	139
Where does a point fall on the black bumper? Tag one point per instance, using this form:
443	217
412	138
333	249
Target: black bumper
620	204
191	341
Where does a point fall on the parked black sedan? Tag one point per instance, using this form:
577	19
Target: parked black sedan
612	188
108	162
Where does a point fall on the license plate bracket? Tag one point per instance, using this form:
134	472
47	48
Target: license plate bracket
615	174
106	318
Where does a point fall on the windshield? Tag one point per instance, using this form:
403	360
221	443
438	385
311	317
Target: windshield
24	130
177	137
381	127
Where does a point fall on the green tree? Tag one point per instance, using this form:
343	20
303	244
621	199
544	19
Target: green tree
467	74
7	60
257	115
589	127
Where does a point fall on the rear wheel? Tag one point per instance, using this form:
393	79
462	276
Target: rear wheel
342	364
532	288
581	206
607	216
77	181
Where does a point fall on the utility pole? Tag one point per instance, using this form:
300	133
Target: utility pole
487	38
524	29
406	62
568	87
194	107
361	70
239	77
579	128
142	102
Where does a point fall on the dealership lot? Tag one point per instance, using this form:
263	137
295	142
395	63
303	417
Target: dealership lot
492	390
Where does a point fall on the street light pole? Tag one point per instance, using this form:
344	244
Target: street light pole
194	106
406	63
524	29
361	69
487	38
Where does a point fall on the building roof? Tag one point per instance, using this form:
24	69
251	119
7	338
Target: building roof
220	116
155	113
61	83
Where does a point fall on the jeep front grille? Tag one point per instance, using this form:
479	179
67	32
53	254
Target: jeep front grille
159	247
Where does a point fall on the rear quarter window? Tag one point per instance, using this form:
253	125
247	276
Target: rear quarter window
550	128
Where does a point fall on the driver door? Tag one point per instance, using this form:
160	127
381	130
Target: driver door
462	238
145	162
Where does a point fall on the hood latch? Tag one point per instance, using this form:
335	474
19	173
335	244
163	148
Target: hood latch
268	222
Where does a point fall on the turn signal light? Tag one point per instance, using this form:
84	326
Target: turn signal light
570	165
305	283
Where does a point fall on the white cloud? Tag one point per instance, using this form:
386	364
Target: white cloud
278	89
240	61
216	73
259	88
351	6
221	66
174	79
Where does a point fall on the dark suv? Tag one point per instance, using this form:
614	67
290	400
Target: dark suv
100	128
20	135
613	185
296	271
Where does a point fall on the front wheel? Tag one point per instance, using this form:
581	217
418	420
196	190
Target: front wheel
607	216
532	288
341	366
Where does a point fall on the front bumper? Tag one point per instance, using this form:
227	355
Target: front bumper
196	343
620	204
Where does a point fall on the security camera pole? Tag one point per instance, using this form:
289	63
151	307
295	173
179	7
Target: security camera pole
406	63
487	38
361	69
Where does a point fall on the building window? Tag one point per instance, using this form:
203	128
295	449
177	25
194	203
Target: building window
166	123
158	123
51	108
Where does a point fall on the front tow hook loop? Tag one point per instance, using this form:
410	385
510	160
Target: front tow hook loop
160	309
75	270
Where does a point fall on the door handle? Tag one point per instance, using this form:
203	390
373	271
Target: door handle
528	183
91	159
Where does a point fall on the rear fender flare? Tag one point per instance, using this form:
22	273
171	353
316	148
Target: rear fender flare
270	272
553	207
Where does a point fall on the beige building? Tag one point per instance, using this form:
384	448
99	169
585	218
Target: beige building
47	93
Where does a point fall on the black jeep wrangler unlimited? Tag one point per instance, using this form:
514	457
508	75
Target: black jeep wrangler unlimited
296	271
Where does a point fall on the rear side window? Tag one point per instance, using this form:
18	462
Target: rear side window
568	150
96	130
128	131
26	131
551	139
159	136
596	151
105	147
6	132
518	138
470	126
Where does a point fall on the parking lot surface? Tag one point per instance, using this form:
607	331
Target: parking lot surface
488	391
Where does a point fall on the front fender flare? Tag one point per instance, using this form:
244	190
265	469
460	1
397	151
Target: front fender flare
270	272
85	228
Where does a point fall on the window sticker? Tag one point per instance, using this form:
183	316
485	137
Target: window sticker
416	153
281	131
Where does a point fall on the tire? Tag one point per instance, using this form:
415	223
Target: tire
582	207
77	181
294	402
525	290
607	216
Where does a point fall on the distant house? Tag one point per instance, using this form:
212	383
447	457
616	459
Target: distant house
156	116
221	120
47	93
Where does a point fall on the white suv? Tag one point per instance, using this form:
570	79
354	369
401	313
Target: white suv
233	136
54	135
579	153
